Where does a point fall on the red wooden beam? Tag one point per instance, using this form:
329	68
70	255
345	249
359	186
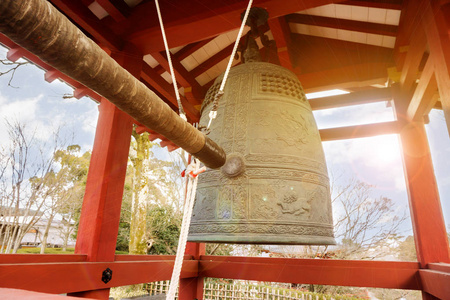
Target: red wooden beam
219	17
410	21
99	220
166	90
71	277
437	31
439	267
381	274
153	136
366	27
348	76
80	92
212	61
436	280
412	61
52	73
184	78
426	213
112	10
191	48
41	258
423	99
360	131
100	213
355	98
82	15
388	4
102	201
317	54
192	288
14	54
282	36
131	257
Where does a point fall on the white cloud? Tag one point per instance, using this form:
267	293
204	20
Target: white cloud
374	160
21	110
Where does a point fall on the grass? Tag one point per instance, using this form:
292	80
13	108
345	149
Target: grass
37	250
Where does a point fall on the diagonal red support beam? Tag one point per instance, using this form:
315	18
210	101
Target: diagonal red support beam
112	10
366	27
212	61
184	78
437	27
413	58
410	21
423	101
166	90
80	14
282	35
191	48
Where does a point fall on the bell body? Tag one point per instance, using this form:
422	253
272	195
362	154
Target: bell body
274	187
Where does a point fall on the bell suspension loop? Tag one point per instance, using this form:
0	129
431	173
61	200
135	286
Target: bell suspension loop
169	60
213	112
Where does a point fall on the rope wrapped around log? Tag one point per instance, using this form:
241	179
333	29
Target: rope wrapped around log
41	29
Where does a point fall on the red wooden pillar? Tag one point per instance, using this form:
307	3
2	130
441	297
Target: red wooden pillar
426	213
192	288
100	214
436	23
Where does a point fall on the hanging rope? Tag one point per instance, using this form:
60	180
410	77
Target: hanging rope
213	112
192	171
169	60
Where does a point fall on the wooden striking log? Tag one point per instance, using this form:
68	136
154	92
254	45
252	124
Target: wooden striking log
41	29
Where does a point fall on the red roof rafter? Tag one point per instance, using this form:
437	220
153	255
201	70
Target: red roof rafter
166	90
282	36
81	15
112	10
147	35
423	101
387	4
191	48
185	78
212	61
373	28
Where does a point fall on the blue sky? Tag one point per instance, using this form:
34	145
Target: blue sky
375	160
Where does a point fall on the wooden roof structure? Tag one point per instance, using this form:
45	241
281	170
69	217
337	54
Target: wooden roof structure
378	50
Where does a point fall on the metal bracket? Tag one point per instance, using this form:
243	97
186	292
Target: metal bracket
106	275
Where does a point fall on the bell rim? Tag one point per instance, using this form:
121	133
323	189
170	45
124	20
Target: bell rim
264	239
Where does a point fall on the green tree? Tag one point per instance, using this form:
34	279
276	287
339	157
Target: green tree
150	185
70	181
140	164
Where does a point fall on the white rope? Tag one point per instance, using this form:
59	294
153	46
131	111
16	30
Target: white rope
169	60
213	112
192	172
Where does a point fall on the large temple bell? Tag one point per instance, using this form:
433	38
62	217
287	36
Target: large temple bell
274	187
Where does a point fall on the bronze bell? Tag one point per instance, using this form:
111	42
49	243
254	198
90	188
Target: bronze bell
273	188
